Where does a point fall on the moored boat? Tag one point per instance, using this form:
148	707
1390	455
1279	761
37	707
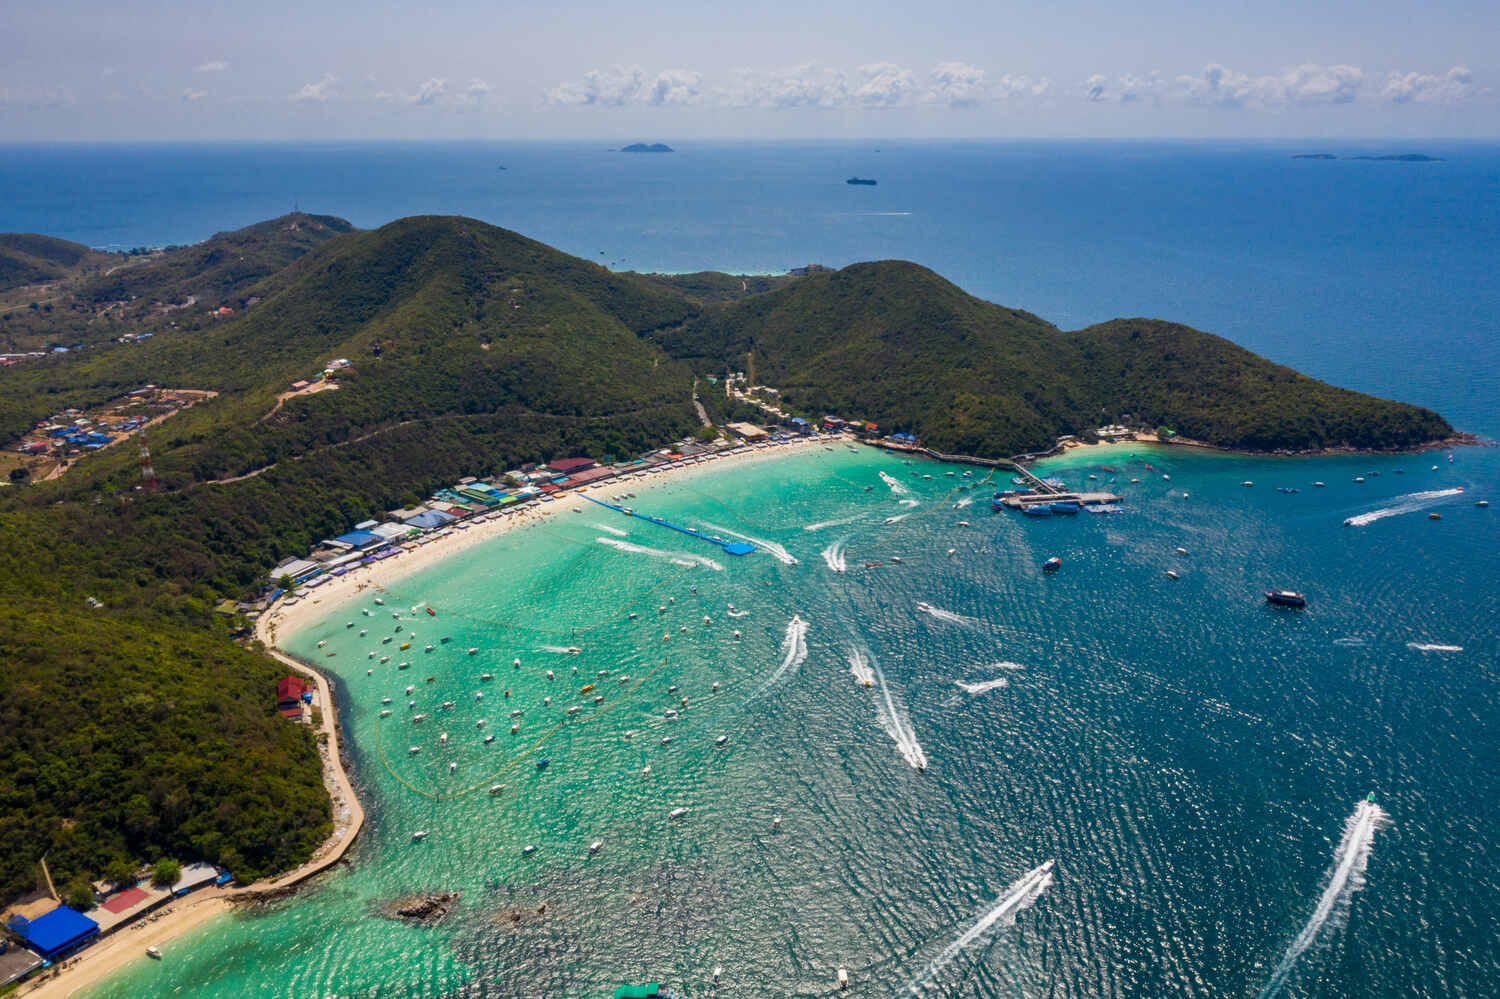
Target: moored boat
1285	598
1052	564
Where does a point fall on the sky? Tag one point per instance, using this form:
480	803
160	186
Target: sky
99	70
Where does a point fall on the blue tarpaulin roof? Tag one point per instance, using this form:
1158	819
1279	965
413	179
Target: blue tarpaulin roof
360	539
58	930
428	519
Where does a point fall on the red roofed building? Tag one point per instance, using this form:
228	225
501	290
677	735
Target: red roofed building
289	690
567	466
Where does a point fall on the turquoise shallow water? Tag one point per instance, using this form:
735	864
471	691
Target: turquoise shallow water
1187	755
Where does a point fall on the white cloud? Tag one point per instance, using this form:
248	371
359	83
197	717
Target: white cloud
674	86
212	66
1219	86
958	85
1125	89
1313	84
1096	88
317	93
1453	86
807	86
33	99
386	97
884	85
606	88
428	92
190	95
475	93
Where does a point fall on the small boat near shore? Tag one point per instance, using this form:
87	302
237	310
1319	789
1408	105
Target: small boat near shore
153	953
676	813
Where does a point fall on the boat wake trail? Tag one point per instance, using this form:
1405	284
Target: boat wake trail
963	502
793	653
832	523
1410	503
897	519
896	487
1430	647
559	649
612	530
1345	877
681	558
894	719
945	615
910	502
859	665
737	613
984	686
833	555
1017	898
778	552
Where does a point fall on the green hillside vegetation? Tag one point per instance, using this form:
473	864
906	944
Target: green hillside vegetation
27	258
895	343
472	349
713	286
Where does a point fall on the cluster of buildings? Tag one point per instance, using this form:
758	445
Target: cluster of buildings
317	380
73	431
471	501
38	931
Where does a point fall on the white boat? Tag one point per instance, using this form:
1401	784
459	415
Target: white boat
385	700
379	601
443	738
384	660
550	676
1247	483
1319	485
479	723
363	632
409	689
721	740
716	682
516	713
596	846
1181	551
843	978
646	770
414	750
384	712
1172	574
775	822
478	695
153	953
666	740
719	968
452	767
528	850
1361	478
496	788
417	719
322	643
429	648
489	738
676	813
486	677
473	652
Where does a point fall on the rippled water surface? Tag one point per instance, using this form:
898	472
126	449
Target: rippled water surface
1190	758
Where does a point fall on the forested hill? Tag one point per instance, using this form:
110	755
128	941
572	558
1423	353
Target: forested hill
897	344
26	258
131	729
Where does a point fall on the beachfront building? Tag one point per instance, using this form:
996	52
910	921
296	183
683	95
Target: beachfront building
291	693
56	934
568	466
195	876
746	431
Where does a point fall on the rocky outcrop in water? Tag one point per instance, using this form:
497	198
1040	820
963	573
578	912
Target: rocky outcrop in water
423	910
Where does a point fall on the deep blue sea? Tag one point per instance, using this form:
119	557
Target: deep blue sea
1195	762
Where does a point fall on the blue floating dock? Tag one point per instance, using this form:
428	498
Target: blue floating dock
731	547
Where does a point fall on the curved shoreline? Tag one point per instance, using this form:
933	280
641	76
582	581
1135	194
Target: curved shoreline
125	944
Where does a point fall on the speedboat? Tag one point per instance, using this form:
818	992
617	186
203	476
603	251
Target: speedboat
721	740
496	788
385	712
1052	564
419	835
486	677
528	850
1285	598
380	602
677	813
153	953
596	846
429	648
542	763
414	750
1172	574
385	700
489	738
473	652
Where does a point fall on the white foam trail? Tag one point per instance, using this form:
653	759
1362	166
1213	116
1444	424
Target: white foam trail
833	556
897	519
1410	503
738	613
681	558
832	523
963	502
1345	877
778	552
1017	898
793	652
859	665
893	718
910	502
1430	647
612	530
1350	642
896	487
560	649
945	615
984	686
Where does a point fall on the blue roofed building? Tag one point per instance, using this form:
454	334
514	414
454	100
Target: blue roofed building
430	519
58	933
360	540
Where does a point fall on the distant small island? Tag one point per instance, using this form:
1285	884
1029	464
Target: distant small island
1388	158
642	147
865	181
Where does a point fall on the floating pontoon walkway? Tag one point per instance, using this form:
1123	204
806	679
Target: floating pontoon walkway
731	547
